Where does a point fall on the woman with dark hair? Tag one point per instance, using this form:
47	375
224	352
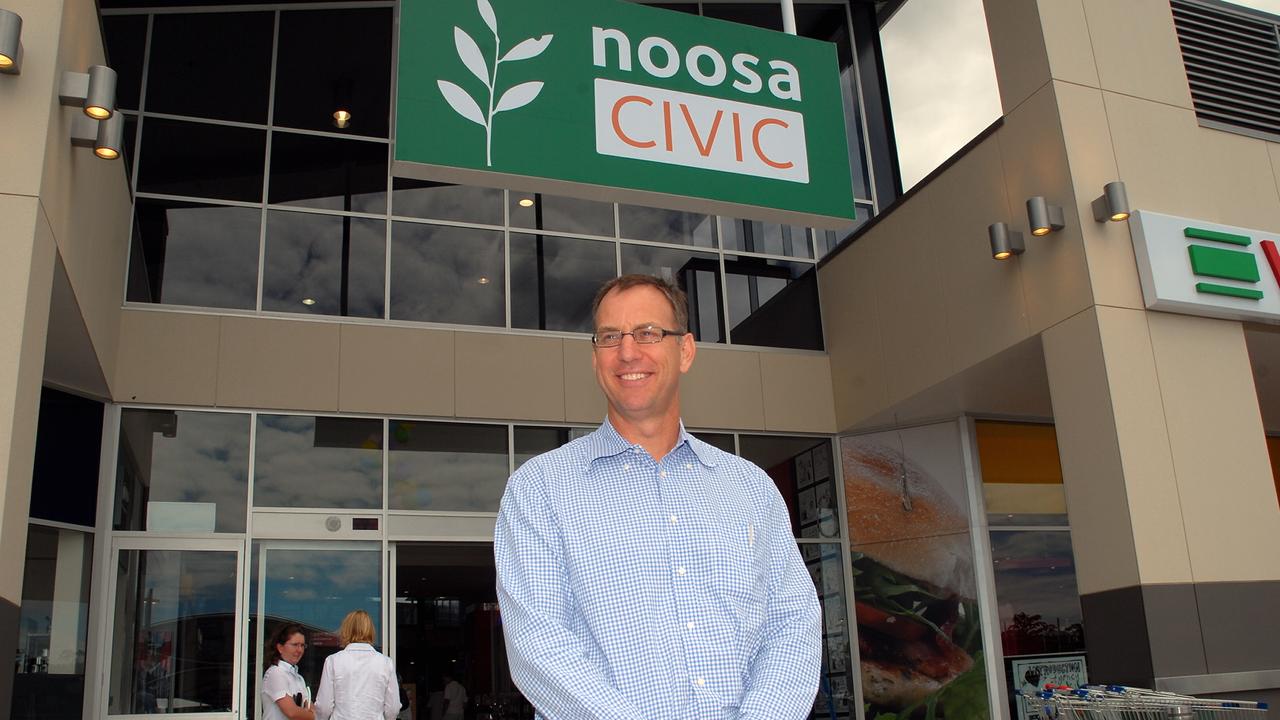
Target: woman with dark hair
285	695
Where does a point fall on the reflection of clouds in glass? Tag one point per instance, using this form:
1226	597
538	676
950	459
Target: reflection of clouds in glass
304	260
1035	575
207	461
447	275
185	584
669	226
291	470
573	271
562	214
319	587
444	466
210	253
460	203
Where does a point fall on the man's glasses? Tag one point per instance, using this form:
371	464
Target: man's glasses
647	335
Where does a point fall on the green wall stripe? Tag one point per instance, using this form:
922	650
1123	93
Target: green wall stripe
1227	264
1228	290
1202	234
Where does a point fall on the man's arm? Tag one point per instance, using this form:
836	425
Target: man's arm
783	679
548	662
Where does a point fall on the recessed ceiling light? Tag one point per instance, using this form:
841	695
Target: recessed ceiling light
483	280
526	202
308	301
341	118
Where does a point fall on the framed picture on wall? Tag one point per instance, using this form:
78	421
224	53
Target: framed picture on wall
822	469
808	507
804	469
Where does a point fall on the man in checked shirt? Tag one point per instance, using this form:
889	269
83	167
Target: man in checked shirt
642	573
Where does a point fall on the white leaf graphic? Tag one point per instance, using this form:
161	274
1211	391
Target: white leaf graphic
486	12
462	103
519	96
470	54
530	48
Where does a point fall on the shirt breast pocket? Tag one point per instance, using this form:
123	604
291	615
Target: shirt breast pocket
742	578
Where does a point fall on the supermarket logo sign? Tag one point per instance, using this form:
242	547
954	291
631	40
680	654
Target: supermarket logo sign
1200	268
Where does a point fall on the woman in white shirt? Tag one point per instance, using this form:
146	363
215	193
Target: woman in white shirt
285	695
358	683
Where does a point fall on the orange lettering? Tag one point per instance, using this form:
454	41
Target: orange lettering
737	136
617	127
693	130
755	141
666	121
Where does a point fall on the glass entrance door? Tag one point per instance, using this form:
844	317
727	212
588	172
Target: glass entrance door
313	584
448	636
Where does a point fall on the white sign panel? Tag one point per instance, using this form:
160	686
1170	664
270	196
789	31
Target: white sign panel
1030	675
1196	267
181	516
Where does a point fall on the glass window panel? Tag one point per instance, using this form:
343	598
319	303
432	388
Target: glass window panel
670	226
724	441
533	440
1021	473
328	173
182	471
835	686
447	466
52	625
538	211
769	238
192	254
130	144
698	274
329	462
762	15
1036	592
201	160
191	74
439	201
802	469
447	275
827	240
64	477
310	86
126	39
324	264
554	280
175	628
773	303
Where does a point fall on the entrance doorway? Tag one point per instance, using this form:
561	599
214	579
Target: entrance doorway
448	631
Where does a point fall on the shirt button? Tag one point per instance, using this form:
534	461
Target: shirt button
680	570
689	625
626	466
662	474
673	519
688	466
700	682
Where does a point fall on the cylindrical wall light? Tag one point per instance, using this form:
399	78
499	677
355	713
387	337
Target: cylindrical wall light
1113	204
95	91
1005	243
110	138
10	42
1043	217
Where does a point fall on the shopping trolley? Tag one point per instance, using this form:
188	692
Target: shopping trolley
1119	702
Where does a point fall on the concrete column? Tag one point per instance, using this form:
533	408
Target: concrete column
1169	491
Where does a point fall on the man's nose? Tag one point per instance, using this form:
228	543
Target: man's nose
628	348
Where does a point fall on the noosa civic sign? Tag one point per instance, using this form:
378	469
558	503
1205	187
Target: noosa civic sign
617	101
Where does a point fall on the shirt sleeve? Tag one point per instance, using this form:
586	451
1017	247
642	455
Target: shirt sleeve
323	704
391	701
782	679
548	662
275	685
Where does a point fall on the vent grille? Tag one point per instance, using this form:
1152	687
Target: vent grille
1233	67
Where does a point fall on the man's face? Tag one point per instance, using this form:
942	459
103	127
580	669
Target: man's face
641	381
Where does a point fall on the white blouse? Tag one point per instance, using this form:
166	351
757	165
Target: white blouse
358	683
281	680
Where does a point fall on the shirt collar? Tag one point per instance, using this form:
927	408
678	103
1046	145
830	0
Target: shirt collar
290	667
606	442
359	647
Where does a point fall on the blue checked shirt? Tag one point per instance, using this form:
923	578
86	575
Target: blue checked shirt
641	590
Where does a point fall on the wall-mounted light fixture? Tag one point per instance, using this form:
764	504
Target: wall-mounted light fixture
1113	204
1005	243
10	42
342	103
95	91
106	137
1043	217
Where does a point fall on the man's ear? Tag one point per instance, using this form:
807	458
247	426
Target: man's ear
688	348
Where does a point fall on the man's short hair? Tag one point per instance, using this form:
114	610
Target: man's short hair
675	296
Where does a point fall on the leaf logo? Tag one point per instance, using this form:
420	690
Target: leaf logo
514	98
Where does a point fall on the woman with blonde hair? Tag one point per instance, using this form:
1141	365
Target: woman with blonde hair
358	683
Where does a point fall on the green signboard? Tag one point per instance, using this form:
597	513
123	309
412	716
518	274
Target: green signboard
612	100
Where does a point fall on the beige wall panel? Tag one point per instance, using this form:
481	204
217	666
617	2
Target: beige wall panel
395	370
280	364
851	329
1237	177
910	301
1155	511
797	393
1157	157
1066	41
30	100
26	280
583	400
1136	50
167	358
723	390
1017	48
1113	272
984	299
520	377
1219	450
1090	455
1273	153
